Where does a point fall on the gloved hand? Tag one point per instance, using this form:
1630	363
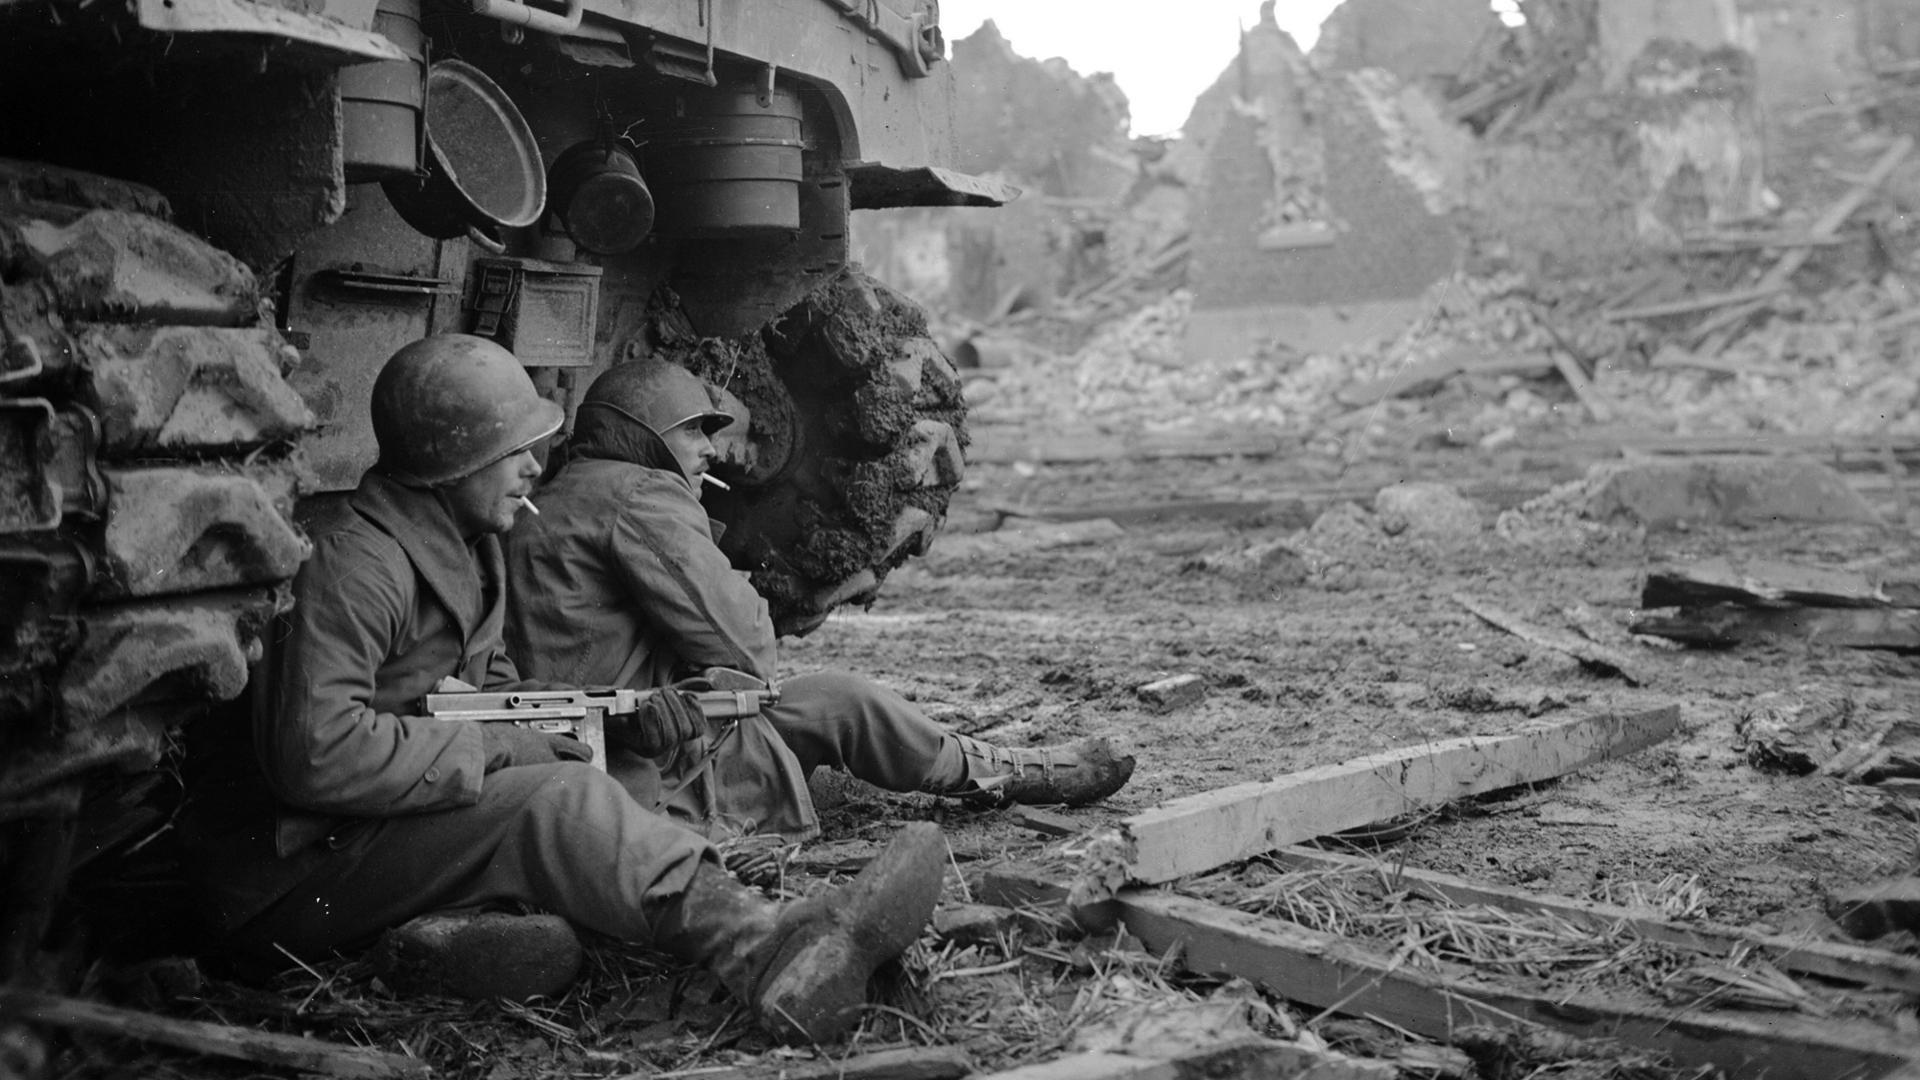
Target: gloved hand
671	716
509	744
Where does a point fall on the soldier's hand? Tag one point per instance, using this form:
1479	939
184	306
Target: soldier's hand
669	718
508	744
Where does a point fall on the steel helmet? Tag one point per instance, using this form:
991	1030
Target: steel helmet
657	393
452	404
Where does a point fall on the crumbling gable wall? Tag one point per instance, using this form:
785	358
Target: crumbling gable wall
1038	120
1414	39
1302	227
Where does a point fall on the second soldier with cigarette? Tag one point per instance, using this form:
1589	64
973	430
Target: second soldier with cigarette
619	581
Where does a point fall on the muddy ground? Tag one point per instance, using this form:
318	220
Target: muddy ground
1363	646
1360	644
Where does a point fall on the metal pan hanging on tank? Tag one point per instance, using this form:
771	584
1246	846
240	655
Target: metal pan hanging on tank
482	170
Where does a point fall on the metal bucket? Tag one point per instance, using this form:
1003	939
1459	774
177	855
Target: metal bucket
732	165
483	168
599	196
381	102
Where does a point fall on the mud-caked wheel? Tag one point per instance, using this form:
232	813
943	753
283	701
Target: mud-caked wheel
856	445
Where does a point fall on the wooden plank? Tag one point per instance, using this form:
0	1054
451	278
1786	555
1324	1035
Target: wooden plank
1807	956
1591	653
1590	396
1047	822
1718	241
216	1040
1067	450
1138	513
904	1063
1431	373
1726	625
1758	582
1328	972
1201	832
1247	1057
1690	305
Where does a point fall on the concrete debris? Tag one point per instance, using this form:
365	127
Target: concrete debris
975	924
1796	731
1423	508
1173	692
1725	491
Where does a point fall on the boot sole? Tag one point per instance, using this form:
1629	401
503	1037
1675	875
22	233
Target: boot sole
817	994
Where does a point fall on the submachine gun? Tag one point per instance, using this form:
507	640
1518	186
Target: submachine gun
583	714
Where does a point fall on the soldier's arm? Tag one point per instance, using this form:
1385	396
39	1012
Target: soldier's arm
682	583
323	746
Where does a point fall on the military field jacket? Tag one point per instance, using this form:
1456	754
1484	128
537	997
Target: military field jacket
618	582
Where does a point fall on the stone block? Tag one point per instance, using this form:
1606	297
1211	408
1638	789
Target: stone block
1174	692
975	924
1422	508
1725	490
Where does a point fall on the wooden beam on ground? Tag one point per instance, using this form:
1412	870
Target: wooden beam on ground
1721	241
1806	956
1591	653
1758	582
214	1040
1068	450
1690	305
1590	396
1329	972
1232	510
1251	1057
1209	830
1430	374
904	1063
1726	625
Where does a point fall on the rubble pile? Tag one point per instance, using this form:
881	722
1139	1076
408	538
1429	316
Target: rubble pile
1839	363
1623	258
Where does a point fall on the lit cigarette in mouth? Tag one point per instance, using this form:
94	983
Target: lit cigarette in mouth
709	478
528	503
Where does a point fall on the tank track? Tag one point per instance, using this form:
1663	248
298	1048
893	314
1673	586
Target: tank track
148	475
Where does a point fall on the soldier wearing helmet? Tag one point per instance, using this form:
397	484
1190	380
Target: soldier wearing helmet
354	813
619	581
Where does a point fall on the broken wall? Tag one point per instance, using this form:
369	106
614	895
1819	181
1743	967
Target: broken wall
1304	229
1414	39
1061	138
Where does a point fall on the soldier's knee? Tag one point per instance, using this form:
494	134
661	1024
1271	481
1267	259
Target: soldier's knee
566	787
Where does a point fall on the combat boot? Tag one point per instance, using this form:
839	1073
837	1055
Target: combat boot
1072	774
803	967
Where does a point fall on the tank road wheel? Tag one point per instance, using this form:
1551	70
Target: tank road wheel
146	492
856	445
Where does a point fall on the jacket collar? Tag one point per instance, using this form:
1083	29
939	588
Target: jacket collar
418	519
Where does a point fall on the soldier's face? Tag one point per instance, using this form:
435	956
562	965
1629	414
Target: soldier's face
691	448
487	501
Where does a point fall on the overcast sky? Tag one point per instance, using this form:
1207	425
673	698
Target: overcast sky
1162	54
